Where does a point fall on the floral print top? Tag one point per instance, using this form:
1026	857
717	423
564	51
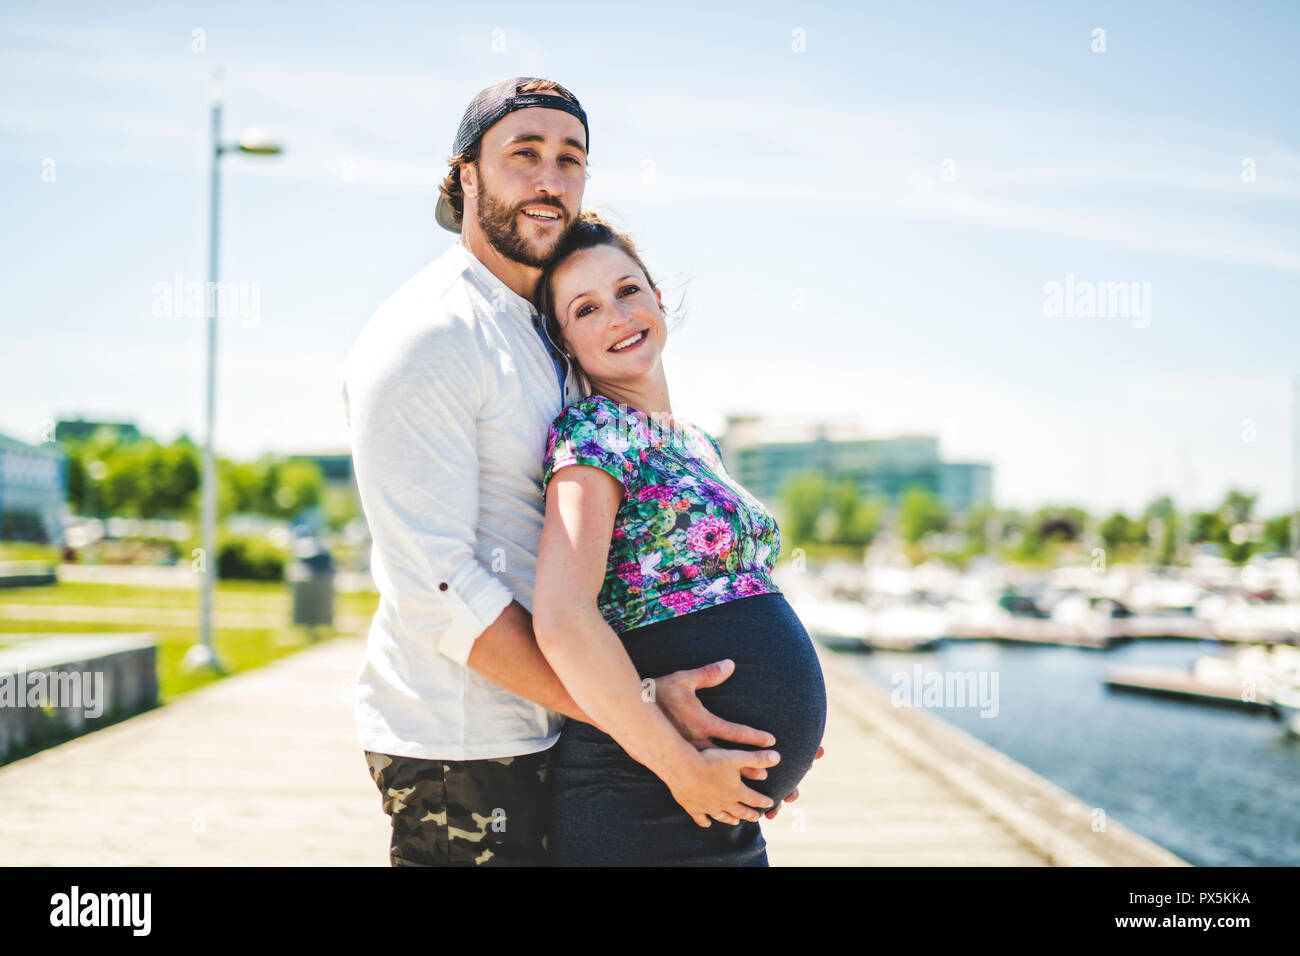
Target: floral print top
686	535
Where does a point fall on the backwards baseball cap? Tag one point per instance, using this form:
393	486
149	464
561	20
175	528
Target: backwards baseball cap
487	109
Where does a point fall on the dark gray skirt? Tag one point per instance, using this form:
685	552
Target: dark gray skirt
610	810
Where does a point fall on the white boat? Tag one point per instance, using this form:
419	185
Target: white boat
1161	593
1287	703
1266	673
1236	619
837	621
906	625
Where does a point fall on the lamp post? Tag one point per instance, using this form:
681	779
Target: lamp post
1295	468
258	143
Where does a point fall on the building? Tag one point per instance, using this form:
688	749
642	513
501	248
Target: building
124	432
335	469
763	455
33	487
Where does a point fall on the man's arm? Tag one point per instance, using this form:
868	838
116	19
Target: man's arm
412	405
414	427
507	654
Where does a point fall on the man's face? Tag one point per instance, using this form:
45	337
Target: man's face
527	184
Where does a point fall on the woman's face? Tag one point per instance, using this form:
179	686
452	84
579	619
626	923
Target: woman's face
602	299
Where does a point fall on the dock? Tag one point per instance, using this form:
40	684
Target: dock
1183	685
263	769
1032	630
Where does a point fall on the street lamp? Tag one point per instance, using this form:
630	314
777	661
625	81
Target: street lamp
255	142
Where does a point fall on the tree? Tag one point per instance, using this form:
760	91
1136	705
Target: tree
1277	534
919	513
803	499
1060	524
291	487
1209	526
856	520
1237	507
1118	530
339	508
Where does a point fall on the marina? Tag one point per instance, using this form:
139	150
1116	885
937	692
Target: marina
887	604
1166	698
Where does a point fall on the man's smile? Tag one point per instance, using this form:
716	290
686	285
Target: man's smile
542	213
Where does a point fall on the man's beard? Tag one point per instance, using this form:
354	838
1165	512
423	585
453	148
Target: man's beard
501	227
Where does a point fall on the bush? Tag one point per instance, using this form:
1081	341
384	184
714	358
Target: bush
250	559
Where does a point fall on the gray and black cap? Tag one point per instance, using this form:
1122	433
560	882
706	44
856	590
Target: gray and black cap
487	109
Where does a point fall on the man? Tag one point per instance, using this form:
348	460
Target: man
449	392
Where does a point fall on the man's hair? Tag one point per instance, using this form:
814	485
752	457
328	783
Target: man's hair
450	185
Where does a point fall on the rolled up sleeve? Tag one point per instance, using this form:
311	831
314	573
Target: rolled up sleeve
414	446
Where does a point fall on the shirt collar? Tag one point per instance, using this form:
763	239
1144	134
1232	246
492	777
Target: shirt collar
490	279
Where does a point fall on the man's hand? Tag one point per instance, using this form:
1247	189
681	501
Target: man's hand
794	794
675	695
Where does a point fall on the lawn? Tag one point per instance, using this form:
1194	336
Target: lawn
25	551
261	631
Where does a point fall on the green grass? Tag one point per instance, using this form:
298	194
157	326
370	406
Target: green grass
26	551
239	648
268	596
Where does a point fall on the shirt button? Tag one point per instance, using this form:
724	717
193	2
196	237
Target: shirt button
442	586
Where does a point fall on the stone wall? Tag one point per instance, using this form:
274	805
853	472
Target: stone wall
53	688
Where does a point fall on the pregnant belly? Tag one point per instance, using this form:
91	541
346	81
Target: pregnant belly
777	684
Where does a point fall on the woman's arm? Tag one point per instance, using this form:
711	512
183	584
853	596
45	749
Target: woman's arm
587	655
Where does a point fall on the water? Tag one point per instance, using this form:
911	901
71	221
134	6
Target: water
1217	787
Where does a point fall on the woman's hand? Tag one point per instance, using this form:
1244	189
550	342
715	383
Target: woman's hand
711	785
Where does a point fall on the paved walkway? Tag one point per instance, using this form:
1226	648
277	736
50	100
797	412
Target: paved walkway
264	769
867	804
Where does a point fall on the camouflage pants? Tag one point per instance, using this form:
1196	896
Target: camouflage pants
466	813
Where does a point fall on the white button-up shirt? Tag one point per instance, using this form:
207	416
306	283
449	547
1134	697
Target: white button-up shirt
449	392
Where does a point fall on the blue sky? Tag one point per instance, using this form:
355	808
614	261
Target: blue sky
913	178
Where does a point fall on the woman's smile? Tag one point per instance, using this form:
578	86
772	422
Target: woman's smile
630	342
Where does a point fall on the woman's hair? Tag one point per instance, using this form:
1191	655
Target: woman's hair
587	232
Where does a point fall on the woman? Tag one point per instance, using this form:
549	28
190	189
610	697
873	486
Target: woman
654	560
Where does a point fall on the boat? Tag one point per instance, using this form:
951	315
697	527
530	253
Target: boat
1240	620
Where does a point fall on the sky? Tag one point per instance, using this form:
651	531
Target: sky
867	211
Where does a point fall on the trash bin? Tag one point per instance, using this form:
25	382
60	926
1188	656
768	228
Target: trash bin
311	582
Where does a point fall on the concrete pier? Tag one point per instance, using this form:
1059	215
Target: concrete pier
53	687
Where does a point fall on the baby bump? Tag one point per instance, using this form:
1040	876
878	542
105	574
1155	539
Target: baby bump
777	683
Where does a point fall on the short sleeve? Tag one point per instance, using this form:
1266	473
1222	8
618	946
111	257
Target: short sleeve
580	436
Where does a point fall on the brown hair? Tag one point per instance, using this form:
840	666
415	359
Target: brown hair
588	231
450	185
